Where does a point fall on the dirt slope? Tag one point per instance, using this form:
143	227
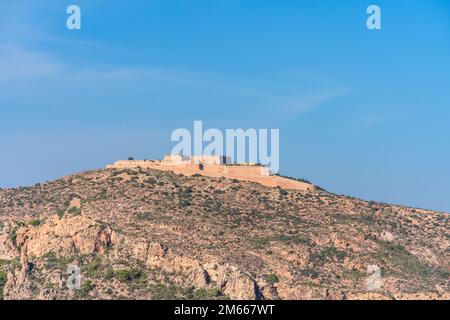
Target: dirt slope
148	234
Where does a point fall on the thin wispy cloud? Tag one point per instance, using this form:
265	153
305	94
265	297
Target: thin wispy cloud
296	104
48	76
45	75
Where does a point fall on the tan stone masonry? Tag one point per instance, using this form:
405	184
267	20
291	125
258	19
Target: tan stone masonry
211	167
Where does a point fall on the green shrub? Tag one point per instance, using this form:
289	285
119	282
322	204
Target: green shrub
200	293
86	288
3	278
127	275
13	236
53	261
34	223
74	210
309	273
184	203
108	274
272	278
214	292
328	252
150	181
93	268
60	213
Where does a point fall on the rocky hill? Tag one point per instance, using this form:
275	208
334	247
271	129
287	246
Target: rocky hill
148	234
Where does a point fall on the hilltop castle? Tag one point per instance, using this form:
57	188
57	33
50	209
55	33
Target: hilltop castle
214	166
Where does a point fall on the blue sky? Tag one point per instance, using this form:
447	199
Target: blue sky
362	113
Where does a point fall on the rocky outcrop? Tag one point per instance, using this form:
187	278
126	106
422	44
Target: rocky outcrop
150	234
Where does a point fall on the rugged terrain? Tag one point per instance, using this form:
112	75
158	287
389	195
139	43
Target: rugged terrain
148	234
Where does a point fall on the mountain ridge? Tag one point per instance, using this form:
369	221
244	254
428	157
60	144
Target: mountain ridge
149	234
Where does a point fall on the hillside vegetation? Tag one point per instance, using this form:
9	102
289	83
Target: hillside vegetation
148	234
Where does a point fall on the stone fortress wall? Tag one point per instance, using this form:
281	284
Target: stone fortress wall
214	166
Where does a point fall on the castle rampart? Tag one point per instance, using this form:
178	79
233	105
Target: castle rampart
214	166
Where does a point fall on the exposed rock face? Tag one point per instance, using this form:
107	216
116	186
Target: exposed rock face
148	234
65	237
